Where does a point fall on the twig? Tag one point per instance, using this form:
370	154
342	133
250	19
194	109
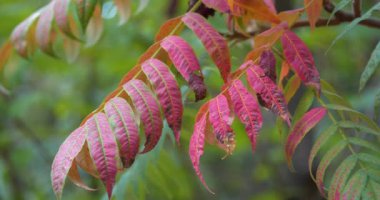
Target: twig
357	8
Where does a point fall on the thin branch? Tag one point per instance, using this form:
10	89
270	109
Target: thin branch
357	8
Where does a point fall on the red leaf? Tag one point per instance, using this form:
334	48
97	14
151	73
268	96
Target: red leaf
196	145
45	34
74	177
103	149
167	91
290	16
271	5
303	126
313	10
219	5
170	27
247	109
125	128
214	43
185	61
221	122
64	159
148	109
300	58
268	90
124	10
5	53
268	64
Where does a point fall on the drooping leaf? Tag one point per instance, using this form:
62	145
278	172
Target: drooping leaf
124	10
339	6
85	10
283	73
196	145
149	110
340	177
219	116
84	160
64	159
219	5
290	16
23	36
170	27
268	90
167	91
321	140
103	149
125	128
301	60
45	33
364	144
313	9
271	36
256	9
355	22
356	185
370	68
74	177
71	49
247	109
268	64
95	27
358	127
185	61
327	158
301	128
214	43
5	53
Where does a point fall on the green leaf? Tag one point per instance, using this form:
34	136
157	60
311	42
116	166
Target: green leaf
338	7
355	185
370	68
369	159
304	104
340	177
322	139
354	23
363	143
359	127
377	106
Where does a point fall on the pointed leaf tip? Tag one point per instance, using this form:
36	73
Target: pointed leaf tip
301	128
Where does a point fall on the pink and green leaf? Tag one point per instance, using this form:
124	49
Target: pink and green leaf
146	105
167	91
45	33
301	128
95	26
64	158
340	177
125	128
247	109
214	43
103	149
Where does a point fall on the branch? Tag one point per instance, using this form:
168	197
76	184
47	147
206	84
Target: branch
357	8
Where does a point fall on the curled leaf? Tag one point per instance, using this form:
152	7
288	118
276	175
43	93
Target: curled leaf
167	91
247	109
149	110
301	60
196	146
219	116
268	64
301	128
103	149
64	158
214	43
125	128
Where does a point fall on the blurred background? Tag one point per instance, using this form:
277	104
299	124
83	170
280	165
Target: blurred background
48	98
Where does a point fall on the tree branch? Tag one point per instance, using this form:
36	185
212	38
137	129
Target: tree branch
357	8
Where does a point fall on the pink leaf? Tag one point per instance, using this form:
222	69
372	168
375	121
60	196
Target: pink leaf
247	109
23	36
196	145
219	5
185	61
167	91
268	90
64	159
103	149
124	10
214	43
125	128
221	122
65	19
271	5
303	126
268	64
149	111
45	34
300	58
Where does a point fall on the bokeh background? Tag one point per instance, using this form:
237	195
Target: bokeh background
49	97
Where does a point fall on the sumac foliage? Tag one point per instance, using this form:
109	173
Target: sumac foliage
108	139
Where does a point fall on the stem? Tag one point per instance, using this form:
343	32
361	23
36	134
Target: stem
357	8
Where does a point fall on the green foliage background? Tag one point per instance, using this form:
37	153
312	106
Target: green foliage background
49	97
